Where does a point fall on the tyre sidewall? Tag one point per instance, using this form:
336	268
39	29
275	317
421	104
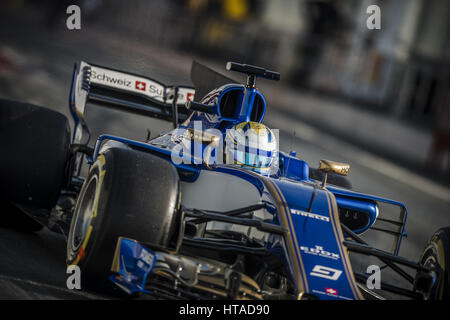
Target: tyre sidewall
82	255
125	177
438	250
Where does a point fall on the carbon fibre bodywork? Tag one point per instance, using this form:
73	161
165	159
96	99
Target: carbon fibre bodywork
302	218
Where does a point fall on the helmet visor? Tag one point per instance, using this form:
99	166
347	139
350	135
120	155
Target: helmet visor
253	160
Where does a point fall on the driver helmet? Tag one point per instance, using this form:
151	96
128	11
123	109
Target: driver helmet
252	145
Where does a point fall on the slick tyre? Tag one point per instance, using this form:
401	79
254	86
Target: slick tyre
437	253
129	194
35	151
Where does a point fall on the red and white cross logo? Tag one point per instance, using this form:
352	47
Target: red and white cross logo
331	291
140	85
190	96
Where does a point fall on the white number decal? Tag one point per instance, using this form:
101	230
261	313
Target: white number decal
325	272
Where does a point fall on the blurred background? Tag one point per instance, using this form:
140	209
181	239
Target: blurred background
377	99
386	90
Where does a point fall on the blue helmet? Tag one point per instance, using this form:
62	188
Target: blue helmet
252	145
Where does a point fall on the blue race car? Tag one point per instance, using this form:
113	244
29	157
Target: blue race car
209	210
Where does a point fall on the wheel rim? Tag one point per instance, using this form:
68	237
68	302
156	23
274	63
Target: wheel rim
432	259
84	213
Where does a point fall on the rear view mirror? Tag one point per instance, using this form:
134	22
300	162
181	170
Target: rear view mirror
335	167
327	166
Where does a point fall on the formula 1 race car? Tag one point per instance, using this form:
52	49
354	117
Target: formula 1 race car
165	217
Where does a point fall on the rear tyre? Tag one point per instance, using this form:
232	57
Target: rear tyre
437	253
126	194
36	145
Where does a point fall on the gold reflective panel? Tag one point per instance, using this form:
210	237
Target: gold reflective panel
203	137
336	167
214	142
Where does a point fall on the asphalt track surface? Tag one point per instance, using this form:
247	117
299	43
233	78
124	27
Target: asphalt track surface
38	70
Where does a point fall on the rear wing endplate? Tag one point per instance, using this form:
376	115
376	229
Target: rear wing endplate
126	91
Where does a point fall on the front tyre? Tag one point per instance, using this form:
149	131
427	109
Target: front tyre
127	194
437	254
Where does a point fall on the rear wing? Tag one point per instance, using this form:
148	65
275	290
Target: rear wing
126	91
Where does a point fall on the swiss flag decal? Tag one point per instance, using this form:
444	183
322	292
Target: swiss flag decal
331	291
140	85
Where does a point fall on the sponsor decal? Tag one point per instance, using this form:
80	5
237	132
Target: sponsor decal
326	272
109	78
310	215
147	257
190	96
331	291
156	90
184	94
319	251
140	85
